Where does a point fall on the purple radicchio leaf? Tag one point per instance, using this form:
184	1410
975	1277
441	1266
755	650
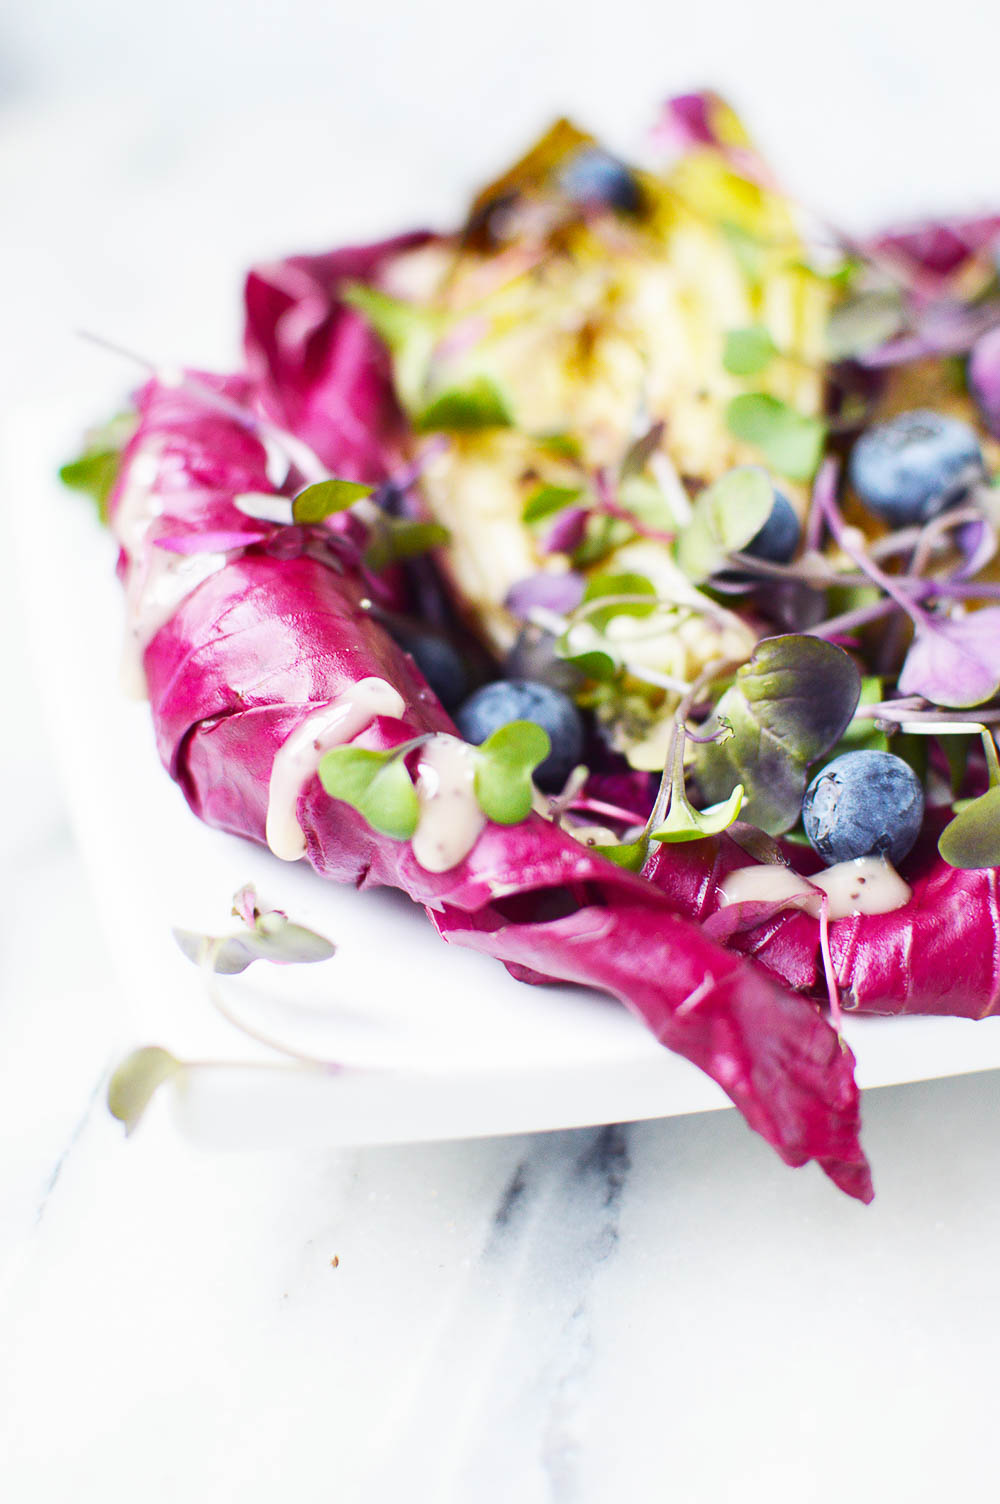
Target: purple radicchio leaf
561	592
937	253
984	378
221	542
954	661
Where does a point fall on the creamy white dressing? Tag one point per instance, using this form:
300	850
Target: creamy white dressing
869	885
299	756
765	883
450	818
591	835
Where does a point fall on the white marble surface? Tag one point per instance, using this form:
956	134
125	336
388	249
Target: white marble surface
658	1312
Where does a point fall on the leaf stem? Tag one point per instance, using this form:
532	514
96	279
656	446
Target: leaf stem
827	501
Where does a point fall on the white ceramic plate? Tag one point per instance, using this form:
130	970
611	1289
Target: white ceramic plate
435	1041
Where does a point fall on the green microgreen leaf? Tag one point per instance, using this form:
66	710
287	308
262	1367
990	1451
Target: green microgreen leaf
135	1081
789	705
545	501
593	663
376	784
972	839
724	518
791	443
471	408
750	255
748	351
396	538
95	471
615	586
628	854
563	446
327	497
504	767
685	823
410	332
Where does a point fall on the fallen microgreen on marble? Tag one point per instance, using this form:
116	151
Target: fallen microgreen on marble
136	1080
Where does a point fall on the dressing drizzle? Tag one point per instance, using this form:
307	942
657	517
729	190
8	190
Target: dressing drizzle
298	758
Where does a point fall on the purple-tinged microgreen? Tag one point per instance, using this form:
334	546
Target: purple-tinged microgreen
269	935
471	408
567	531
504	765
135	1081
394	539
95	471
327	497
747	351
791	442
954	661
789	705
559	593
645	506
376	784
724	518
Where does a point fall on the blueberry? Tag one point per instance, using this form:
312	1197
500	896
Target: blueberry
595	177
779	537
914	466
863	804
440	662
520	700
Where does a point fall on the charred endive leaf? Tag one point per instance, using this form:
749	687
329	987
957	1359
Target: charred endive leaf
725	517
789	705
134	1083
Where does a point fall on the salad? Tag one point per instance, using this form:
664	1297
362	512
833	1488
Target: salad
616	575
